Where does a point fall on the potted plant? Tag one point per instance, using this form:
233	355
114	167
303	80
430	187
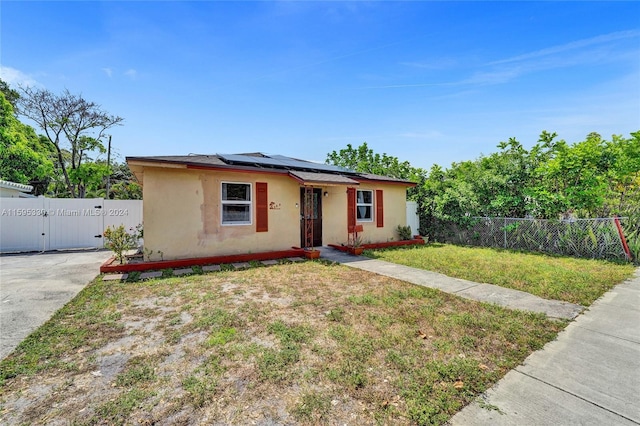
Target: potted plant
356	247
311	253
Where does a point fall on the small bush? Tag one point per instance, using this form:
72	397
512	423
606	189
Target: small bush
404	232
119	240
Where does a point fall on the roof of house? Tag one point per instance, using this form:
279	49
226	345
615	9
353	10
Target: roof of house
306	172
17	186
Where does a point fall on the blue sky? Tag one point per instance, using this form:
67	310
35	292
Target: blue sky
427	82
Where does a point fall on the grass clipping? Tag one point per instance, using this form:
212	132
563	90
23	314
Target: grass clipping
300	343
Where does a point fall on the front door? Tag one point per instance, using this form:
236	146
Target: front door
315	202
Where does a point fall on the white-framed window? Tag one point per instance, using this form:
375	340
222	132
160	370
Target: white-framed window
236	203
364	205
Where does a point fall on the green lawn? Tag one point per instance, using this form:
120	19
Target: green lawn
305	343
569	279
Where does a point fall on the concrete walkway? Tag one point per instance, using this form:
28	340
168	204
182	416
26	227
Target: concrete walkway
489	293
589	375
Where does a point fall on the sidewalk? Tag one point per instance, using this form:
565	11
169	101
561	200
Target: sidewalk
589	375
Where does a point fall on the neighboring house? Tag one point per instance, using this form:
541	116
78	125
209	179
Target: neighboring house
14	190
224	204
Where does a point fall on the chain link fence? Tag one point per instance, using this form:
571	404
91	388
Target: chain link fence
588	238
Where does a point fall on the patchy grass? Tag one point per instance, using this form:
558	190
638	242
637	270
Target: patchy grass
303	343
568	279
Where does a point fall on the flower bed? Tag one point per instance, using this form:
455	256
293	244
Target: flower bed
416	240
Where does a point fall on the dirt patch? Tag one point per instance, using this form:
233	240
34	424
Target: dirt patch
303	343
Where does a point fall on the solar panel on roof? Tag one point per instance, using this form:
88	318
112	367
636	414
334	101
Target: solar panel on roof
295	163
281	161
249	159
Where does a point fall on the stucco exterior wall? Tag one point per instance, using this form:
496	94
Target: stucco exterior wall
395	208
182	214
334	225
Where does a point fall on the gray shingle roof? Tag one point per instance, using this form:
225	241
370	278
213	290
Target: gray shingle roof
308	174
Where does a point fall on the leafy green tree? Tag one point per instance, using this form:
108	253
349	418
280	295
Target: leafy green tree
363	159
572	179
624	175
88	176
23	159
123	183
74	128
126	191
10	95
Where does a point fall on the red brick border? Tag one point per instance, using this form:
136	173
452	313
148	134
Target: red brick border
111	266
414	241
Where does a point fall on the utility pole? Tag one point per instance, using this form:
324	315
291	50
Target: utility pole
108	167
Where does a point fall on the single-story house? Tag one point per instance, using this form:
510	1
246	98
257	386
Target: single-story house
226	204
14	190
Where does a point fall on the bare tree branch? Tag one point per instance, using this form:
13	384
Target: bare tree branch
70	123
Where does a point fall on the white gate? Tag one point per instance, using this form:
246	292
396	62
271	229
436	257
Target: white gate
74	223
40	224
412	217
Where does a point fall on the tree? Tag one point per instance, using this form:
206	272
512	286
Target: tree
69	123
624	176
123	183
23	159
10	95
362	159
572	178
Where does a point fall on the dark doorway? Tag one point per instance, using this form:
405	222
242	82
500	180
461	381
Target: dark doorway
315	200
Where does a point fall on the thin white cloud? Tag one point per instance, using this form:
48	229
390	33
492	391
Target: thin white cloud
131	73
405	86
16	77
595	50
598	49
494	77
575	45
433	134
436	64
108	71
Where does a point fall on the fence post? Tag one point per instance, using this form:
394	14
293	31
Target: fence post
623	240
505	232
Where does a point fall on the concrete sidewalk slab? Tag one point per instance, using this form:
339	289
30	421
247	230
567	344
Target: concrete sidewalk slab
591	366
183	271
524	401
488	293
516	299
152	274
617	314
589	375
412	275
33	286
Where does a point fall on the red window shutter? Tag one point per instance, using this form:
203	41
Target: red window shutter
351	209
379	209
262	207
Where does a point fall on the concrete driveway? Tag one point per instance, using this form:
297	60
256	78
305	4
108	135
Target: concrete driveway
34	286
